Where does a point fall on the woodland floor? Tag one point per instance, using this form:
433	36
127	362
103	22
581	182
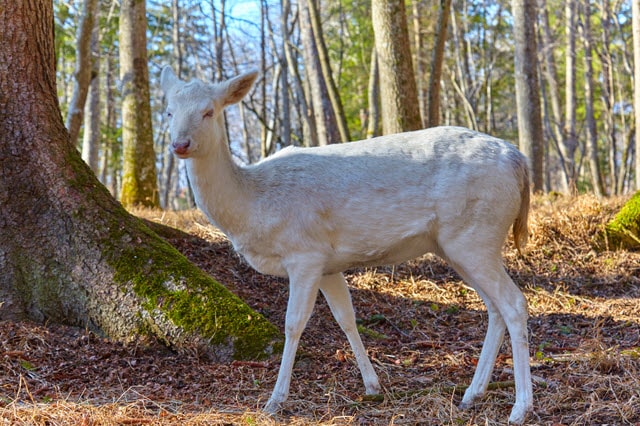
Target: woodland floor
423	329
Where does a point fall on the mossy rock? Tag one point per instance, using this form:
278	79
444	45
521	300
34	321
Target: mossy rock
623	232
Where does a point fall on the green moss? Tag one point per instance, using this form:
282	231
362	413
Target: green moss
624	230
191	299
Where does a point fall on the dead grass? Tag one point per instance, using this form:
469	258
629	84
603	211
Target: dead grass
422	326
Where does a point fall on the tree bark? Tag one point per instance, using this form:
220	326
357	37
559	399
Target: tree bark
327	73
589	84
325	116
570	139
528	89
373	90
433	117
91	137
83	73
635	7
139	182
398	94
69	252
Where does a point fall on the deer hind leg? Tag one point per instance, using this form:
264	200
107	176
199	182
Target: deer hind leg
303	291
507	308
490	348
335	290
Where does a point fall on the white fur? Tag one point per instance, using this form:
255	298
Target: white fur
311	213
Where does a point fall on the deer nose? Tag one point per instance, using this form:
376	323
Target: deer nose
181	147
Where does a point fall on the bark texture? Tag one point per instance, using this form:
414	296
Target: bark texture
528	89
69	252
139	182
398	93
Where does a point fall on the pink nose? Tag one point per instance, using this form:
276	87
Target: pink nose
181	147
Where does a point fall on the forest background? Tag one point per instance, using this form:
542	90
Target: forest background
584	64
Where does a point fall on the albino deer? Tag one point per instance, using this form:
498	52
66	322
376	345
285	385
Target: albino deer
310	213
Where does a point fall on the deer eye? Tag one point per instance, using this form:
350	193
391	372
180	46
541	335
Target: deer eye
208	114
169	114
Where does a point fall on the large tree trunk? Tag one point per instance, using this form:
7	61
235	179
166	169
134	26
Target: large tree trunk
398	94
139	182
69	252
528	89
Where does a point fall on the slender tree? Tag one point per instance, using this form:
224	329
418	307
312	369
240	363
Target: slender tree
325	116
398	93
589	84
91	137
530	132
79	258
635	5
84	68
433	116
327	73
139	182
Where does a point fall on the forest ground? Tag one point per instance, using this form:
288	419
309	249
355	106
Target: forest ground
422	327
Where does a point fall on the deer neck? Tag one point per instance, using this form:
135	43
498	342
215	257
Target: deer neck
220	187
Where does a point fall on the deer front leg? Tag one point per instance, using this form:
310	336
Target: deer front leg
302	297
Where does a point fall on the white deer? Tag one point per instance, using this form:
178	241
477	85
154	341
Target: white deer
310	213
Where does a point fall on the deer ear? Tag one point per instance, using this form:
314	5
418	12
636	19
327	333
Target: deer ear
237	88
168	79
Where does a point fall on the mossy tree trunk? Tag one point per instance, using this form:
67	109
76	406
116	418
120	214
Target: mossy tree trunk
69	253
139	179
624	230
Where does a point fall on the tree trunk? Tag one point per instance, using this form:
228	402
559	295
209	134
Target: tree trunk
555	120
589	84
82	76
398	94
139	183
69	252
325	116
373	91
571	139
528	90
91	137
635	6
433	117
325	67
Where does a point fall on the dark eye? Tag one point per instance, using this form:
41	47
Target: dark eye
208	114
169	115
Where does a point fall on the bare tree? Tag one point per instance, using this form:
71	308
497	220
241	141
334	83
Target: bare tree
635	4
433	116
589	84
373	90
528	90
327	73
91	137
139	183
83	73
325	116
398	93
